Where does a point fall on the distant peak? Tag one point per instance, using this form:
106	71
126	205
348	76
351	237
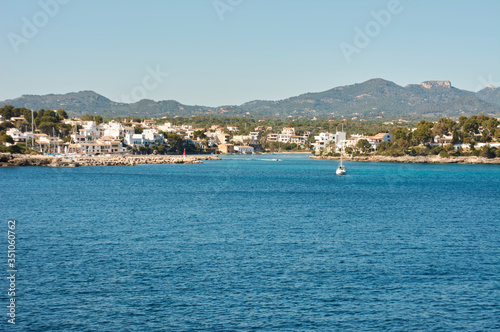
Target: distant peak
492	87
378	80
86	92
434	84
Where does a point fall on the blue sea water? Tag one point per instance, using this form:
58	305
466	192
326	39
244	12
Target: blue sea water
248	244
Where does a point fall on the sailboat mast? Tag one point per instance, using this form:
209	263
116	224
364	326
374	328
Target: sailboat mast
32	131
341	152
342	146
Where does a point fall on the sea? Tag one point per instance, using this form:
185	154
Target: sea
251	243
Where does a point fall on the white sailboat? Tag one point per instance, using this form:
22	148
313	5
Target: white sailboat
341	170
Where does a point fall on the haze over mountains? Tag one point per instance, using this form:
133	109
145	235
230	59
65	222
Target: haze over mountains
375	98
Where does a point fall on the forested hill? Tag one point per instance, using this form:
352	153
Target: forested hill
383	98
490	94
376	98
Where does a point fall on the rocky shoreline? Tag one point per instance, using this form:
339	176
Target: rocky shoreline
418	159
8	159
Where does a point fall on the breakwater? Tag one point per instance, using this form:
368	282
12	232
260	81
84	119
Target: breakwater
418	159
7	159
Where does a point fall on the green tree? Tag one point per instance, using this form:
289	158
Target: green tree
199	134
485	137
461	121
395	151
383	146
443	127
464	137
423	132
48	128
48	119
487	152
65	129
491	124
27	115
444	153
449	147
176	142
7	112
400	133
4	138
160	148
497	133
363	145
6	125
42	113
402	136
455	137
471	126
62	113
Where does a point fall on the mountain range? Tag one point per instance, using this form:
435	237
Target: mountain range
375	98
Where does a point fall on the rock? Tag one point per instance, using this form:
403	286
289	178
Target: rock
7	159
419	159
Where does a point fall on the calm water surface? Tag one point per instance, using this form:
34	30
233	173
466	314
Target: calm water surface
248	243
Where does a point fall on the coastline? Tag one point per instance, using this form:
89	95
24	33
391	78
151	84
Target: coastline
418	159
13	160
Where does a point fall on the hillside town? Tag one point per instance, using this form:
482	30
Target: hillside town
53	132
116	138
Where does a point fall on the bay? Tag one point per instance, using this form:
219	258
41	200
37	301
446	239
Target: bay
248	243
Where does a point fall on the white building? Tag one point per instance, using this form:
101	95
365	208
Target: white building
136	140
287	136
46	143
167	128
298	139
221	138
86	148
244	149
255	135
72	122
242	138
114	129
324	141
149	137
373	140
272	137
78	138
445	139
382	137
284	138
18	136
90	130
153	136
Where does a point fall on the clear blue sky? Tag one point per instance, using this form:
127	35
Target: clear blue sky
262	49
